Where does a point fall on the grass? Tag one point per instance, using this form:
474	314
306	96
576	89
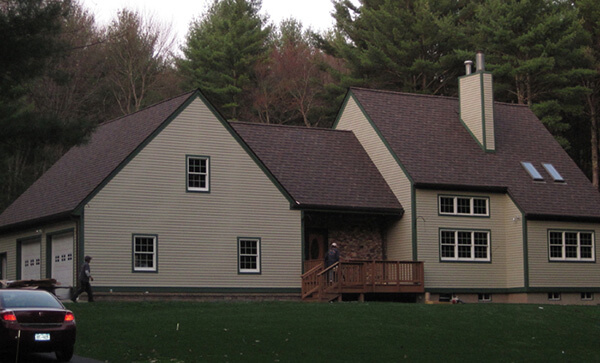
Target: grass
338	332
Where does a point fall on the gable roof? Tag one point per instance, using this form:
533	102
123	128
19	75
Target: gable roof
437	151
83	169
320	168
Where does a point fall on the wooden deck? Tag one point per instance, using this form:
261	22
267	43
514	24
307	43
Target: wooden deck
362	277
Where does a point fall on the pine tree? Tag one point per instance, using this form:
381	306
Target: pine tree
221	51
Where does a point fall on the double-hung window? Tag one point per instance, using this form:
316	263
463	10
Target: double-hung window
464	245
144	253
463	206
571	245
198	173
249	255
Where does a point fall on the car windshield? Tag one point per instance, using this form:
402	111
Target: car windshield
27	299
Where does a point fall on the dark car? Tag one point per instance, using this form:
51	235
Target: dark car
36	321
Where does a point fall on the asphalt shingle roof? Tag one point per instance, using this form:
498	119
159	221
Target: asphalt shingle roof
437	151
83	168
320	168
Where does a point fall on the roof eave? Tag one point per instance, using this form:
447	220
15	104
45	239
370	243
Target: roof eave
37	222
561	218
350	209
462	187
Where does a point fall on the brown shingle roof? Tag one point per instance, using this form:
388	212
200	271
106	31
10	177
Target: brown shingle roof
83	168
320	168
437	151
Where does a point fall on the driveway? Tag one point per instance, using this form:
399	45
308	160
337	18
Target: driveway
47	357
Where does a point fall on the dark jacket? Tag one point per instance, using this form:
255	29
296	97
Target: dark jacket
332	256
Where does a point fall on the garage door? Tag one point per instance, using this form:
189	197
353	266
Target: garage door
30	260
62	259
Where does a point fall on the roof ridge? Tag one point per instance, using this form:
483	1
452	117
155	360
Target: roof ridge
429	96
145	108
402	93
286	126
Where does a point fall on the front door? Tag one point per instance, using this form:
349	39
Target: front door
316	248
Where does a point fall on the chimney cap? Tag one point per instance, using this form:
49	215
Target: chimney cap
480	61
468	64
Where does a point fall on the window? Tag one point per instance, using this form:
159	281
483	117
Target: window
198	173
553	172
532	171
249	255
464	206
484	297
587	296
144	253
571	246
554	296
464	245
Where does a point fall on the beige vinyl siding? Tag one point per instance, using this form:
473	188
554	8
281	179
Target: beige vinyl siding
8	245
399	236
463	274
470	104
515	264
543	273
488	108
197	232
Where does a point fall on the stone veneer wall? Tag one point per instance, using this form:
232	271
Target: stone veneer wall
357	237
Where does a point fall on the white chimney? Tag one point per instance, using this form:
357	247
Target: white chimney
477	103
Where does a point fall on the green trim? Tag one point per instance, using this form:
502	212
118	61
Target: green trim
512	290
133	237
219	290
49	259
413	195
3	257
302	240
137	150
525	250
80	246
259	249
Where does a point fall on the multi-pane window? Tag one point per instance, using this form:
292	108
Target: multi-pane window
484	297
144	253
587	296
571	246
554	296
249	255
464	206
464	245
198	169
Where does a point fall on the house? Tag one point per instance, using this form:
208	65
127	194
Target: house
427	196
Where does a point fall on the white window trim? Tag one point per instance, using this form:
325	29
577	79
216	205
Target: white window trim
564	247
584	296
456	245
471	206
154	253
188	173
484	297
554	296
257	256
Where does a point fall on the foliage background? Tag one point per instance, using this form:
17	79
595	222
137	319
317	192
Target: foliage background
61	74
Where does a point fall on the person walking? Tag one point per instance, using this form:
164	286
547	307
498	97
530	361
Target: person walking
84	281
332	256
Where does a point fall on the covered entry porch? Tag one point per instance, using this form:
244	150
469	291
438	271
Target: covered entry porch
363	268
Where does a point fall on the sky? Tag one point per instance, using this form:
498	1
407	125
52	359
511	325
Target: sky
179	13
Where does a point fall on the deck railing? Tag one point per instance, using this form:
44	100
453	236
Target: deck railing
360	276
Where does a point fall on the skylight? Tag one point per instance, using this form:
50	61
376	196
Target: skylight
532	171
553	172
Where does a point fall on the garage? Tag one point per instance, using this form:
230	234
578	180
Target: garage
62	262
31	260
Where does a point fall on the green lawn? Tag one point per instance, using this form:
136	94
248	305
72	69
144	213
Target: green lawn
336	332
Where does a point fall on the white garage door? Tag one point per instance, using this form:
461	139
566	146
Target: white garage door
30	260
62	259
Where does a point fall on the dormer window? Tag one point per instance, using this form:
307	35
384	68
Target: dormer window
553	172
532	171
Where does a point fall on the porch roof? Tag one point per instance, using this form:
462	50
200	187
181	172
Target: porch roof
320	168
